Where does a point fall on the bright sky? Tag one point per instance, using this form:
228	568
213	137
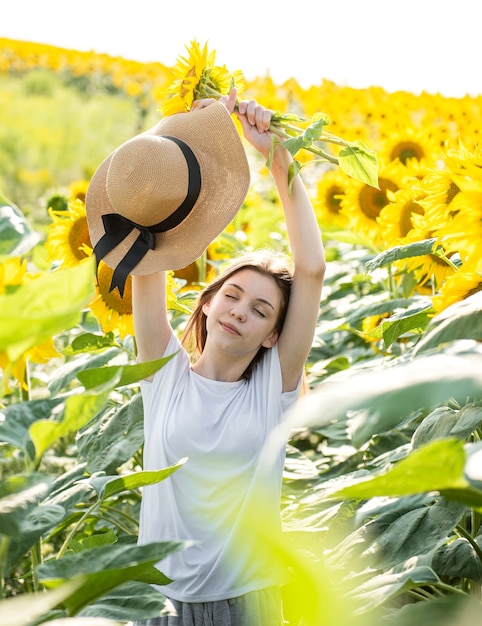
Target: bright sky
409	45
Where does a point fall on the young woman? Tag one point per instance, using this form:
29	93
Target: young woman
252	330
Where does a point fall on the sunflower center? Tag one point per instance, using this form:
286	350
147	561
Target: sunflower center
333	198
112	299
452	191
405	150
78	236
373	200
409	208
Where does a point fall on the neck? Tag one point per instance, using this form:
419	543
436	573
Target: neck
222	369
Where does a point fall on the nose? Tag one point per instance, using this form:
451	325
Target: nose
238	313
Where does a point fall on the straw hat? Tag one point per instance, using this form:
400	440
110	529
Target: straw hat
163	196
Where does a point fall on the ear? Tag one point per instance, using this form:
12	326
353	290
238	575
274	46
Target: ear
271	340
206	306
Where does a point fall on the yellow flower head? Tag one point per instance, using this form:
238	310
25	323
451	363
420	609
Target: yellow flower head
458	287
78	190
362	204
113	312
68	234
195	77
327	204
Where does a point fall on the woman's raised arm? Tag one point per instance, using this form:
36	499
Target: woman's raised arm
151	322
305	242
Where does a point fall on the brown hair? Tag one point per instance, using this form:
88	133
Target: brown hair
266	262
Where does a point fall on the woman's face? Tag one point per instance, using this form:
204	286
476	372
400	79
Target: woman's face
242	315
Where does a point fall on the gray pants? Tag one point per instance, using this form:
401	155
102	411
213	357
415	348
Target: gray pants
257	608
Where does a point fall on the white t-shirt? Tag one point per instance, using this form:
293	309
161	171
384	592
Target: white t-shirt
221	427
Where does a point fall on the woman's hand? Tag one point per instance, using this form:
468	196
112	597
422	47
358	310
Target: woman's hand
255	120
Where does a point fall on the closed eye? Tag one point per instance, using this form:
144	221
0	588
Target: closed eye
259	312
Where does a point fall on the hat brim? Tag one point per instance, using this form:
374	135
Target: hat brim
212	135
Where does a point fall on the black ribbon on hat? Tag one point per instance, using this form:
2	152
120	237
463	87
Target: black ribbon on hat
117	227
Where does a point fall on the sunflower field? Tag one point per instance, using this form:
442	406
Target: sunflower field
382	490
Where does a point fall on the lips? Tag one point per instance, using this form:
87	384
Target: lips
229	328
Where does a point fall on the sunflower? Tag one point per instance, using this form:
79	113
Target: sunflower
113	312
463	234
78	190
327	204
395	219
362	203
459	286
68	235
195	77
409	144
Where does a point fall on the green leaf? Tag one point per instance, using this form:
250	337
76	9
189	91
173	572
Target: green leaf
454	609
399	324
378	590
64	375
41	308
130	601
16	419
90	342
396	541
18	496
437	466
38	522
25	609
79	410
360	162
114	437
105	568
462	320
458	559
108	486
380	398
387	257
104	378
16	235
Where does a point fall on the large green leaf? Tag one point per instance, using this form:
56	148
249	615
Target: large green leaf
44	307
16	235
37	523
25	609
384	587
108	486
436	466
409	250
130	601
105	568
79	409
359	162
461	320
16	419
381	397
104	378
414	536
458	559
18	496
114	437
456	609
63	376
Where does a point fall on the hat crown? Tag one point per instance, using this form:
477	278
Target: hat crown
147	179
